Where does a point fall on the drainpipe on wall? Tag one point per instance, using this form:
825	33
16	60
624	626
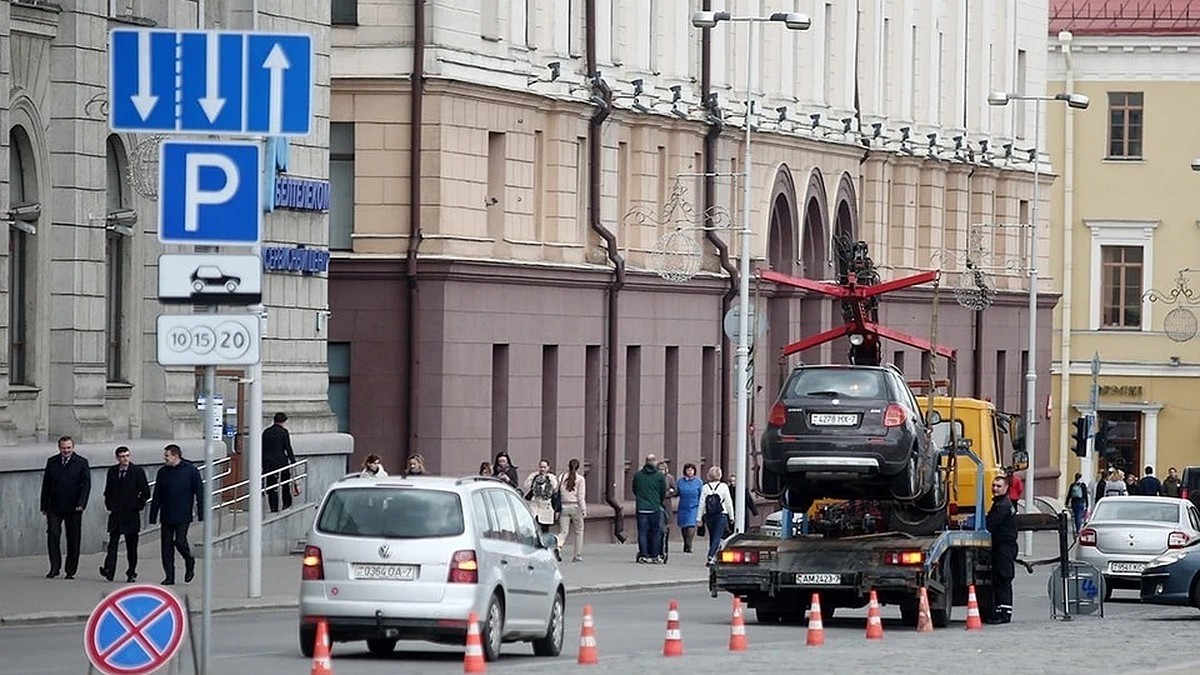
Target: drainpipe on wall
602	99
1064	396
716	124
416	235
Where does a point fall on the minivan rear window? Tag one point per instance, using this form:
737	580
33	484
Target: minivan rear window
394	513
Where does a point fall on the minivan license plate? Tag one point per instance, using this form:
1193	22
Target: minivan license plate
818	579
833	420
396	572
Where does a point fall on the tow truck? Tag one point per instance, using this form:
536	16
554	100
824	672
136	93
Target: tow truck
847	556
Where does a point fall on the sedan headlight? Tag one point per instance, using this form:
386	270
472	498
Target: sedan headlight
1169	558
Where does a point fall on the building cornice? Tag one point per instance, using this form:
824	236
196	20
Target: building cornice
1118	58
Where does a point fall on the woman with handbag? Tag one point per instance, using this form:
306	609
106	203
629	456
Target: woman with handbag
716	505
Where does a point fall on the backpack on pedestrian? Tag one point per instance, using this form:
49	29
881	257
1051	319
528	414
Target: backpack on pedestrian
712	504
1076	491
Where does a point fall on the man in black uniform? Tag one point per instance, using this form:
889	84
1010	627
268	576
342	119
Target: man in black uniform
276	455
1002	523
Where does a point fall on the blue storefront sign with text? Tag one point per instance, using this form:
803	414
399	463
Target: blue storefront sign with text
295	259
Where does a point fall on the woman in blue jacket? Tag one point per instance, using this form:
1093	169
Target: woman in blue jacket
688	485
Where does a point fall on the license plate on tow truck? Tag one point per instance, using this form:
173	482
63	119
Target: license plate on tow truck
805	579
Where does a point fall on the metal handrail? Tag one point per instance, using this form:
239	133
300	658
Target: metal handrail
240	490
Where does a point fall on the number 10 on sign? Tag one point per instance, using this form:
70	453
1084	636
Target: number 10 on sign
208	339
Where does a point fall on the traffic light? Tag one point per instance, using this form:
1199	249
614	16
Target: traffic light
1103	433
1081	434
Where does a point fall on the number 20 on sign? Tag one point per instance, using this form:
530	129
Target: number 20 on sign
208	339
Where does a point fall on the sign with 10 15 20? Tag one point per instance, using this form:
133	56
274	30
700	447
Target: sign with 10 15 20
208	339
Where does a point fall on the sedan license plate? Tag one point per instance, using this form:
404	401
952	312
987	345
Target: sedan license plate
393	572
818	579
1128	567
833	419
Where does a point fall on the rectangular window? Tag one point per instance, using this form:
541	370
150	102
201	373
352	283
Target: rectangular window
1125	112
898	361
499	398
1001	401
671	406
344	13
593	394
1121	286
339	383
926	366
18	297
549	401
1124	441
633	410
114	320
710	412
341	185
497	182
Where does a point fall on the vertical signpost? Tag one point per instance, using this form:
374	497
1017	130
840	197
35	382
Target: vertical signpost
204	83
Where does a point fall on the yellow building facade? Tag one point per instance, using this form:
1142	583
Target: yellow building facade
1125	241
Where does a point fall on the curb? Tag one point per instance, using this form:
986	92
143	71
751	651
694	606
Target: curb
44	618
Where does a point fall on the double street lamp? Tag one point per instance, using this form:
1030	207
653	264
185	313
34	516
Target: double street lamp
793	21
1078	102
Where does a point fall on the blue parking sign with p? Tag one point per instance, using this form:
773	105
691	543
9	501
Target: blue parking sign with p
208	193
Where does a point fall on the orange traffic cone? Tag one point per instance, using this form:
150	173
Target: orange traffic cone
473	657
321	663
816	629
874	621
924	620
737	628
974	622
587	640
673	644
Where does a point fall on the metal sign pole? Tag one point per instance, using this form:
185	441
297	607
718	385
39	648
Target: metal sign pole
212	425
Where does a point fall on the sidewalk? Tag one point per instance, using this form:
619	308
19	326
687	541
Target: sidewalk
26	596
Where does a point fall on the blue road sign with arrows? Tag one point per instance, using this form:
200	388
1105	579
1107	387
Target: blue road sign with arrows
203	82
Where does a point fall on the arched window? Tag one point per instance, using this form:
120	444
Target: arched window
24	212
119	223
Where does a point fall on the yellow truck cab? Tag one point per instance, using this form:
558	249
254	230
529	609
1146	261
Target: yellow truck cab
977	427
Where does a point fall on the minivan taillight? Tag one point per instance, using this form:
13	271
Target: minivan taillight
1177	540
778	415
464	569
1087	537
893	416
313	568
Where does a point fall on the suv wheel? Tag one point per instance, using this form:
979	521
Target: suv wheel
493	629
308	640
380	646
551	644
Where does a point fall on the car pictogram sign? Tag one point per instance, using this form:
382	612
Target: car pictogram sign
134	631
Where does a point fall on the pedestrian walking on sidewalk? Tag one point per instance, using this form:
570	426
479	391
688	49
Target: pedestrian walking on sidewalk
277	455
539	492
668	506
126	492
505	470
716	510
416	465
66	485
1002	523
176	488
649	491
688	485
372	467
573	491
1077	498
1170	486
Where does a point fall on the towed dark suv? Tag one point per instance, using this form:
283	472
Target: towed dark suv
853	432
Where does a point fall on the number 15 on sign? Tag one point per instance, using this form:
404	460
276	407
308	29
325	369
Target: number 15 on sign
208	339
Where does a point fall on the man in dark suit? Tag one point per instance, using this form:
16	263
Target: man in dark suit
66	484
176	487
126	492
277	454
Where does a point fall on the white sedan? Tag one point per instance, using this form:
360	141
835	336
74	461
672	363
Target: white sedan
1125	533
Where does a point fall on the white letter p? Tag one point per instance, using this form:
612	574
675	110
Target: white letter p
194	197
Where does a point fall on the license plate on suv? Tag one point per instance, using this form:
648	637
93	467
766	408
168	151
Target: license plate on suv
393	572
833	419
1127	567
806	579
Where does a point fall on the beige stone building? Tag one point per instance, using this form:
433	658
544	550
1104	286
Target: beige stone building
495	281
1126	229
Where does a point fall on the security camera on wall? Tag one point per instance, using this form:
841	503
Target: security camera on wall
1196	164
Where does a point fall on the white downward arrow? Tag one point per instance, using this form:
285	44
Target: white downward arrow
212	103
143	100
276	62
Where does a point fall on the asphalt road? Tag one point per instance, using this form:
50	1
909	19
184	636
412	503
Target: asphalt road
630	626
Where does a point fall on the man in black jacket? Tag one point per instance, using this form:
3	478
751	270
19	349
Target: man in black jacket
277	454
66	484
1002	523
176	487
126	492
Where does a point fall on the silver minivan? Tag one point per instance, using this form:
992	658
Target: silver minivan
393	559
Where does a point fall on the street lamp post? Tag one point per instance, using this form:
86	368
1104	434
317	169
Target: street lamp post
793	21
1076	101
